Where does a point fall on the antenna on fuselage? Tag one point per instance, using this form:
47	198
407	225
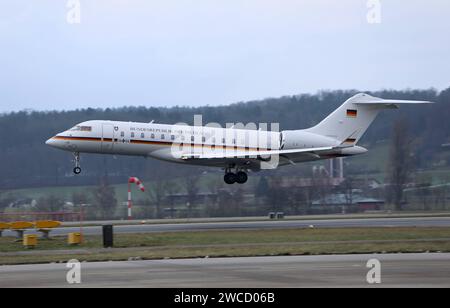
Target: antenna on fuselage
151	122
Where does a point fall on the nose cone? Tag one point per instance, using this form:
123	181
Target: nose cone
53	142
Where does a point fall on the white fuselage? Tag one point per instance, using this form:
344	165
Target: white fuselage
171	142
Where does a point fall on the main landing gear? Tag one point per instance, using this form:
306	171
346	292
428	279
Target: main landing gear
77	169
239	177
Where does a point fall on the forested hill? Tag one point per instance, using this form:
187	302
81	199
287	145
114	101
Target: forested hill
26	161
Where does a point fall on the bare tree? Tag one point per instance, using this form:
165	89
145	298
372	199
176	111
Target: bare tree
49	203
172	188
400	164
276	195
424	192
320	185
192	190
223	203
79	198
261	191
299	200
214	184
105	199
347	187
5	200
158	195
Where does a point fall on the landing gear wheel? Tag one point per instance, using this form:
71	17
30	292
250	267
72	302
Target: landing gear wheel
241	177
230	178
77	169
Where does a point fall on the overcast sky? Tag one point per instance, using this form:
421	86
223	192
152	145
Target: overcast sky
204	52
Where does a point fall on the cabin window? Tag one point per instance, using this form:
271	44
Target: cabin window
172	137
122	134
142	135
163	137
223	140
234	141
132	135
81	128
152	136
203	139
192	138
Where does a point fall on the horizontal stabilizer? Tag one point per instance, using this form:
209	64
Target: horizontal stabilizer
380	101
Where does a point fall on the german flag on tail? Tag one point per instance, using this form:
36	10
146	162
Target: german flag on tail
352	113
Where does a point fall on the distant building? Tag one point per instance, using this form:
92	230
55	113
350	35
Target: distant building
344	203
24	204
183	198
294	181
367	183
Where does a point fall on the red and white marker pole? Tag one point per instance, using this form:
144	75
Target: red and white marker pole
136	181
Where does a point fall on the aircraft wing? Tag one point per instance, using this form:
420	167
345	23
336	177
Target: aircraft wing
255	154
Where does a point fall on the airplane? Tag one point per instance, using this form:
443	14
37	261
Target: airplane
236	151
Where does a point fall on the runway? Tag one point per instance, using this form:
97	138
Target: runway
256	225
397	270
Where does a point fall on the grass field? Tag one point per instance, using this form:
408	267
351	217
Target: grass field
65	192
233	243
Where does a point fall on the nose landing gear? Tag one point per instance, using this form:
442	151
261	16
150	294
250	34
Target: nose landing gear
77	169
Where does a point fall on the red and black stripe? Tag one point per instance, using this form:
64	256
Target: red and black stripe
353	113
161	143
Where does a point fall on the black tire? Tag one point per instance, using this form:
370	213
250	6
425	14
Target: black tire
241	177
77	170
230	178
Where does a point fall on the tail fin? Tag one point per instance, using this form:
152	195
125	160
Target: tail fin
350	121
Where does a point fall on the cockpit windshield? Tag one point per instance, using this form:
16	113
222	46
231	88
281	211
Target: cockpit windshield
80	128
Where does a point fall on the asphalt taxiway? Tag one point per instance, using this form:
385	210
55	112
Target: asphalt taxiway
258	225
397	270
